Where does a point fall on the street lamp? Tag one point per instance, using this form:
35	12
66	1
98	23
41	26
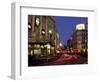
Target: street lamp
43	32
29	26
60	44
50	31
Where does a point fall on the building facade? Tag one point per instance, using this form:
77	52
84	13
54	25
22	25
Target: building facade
79	39
42	36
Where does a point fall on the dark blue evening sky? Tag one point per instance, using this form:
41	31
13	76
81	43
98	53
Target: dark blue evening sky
66	25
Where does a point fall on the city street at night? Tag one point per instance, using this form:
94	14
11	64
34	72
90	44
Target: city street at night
57	40
65	59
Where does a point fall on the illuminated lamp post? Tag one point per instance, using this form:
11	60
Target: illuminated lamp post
43	33
61	47
50	33
60	44
29	26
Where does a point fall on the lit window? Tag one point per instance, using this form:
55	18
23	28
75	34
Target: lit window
31	52
37	21
36	51
48	46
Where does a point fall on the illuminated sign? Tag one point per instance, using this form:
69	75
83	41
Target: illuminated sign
80	27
